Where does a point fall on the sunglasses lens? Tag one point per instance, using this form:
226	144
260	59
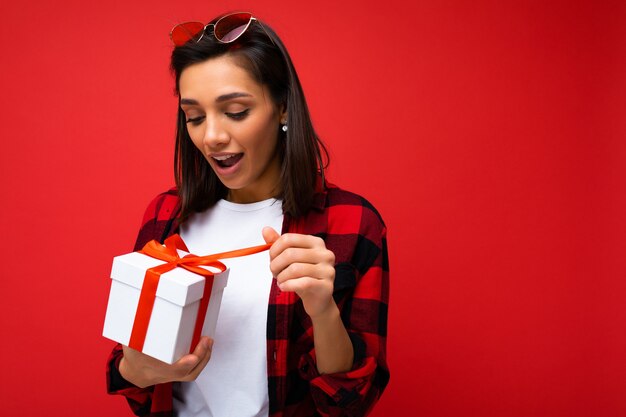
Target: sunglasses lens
230	27
183	33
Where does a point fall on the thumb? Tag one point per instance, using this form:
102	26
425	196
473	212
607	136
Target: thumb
270	235
204	345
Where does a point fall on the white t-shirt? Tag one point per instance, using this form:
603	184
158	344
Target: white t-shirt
234	382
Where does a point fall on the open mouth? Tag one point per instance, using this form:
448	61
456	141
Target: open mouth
226	161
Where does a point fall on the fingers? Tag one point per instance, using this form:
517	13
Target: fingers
292	261
143	370
302	264
205	344
189	366
294	240
202	364
294	256
307	285
270	235
323	271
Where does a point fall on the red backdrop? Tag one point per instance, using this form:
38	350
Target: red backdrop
490	135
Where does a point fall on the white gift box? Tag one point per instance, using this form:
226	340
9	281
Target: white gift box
175	310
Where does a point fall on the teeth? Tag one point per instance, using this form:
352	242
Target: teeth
224	157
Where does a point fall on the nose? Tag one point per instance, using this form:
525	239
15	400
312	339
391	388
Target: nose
215	136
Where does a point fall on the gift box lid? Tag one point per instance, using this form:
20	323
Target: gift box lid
178	286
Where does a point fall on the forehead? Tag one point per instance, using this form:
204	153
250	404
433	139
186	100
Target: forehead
215	77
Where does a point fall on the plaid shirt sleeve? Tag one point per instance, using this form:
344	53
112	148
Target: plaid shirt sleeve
156	400
354	231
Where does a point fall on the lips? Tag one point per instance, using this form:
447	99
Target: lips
227	160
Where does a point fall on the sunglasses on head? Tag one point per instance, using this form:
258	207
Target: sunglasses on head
226	29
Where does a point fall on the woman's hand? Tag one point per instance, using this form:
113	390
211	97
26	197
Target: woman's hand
303	264
143	370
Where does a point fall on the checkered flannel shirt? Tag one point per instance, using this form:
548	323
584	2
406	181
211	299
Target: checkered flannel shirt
354	231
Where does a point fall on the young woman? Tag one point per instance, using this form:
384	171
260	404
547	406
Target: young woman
301	331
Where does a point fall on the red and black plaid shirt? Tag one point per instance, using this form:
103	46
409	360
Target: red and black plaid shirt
354	231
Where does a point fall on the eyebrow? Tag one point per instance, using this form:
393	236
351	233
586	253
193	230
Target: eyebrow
222	98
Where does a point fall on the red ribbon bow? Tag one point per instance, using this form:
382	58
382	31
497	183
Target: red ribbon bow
190	262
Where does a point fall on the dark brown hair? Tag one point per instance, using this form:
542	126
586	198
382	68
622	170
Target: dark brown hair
260	52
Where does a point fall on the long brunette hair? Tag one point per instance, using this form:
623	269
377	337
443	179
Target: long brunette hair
262	54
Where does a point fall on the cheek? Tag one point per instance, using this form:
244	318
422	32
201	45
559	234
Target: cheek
270	138
265	146
258	139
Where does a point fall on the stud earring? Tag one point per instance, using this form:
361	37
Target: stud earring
285	128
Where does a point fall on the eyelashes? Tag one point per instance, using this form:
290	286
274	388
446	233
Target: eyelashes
195	120
238	116
235	116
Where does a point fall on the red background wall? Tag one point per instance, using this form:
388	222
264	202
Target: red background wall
490	135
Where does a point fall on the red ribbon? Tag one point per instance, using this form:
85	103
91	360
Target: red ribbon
190	262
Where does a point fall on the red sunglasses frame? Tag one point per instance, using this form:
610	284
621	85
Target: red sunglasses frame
187	31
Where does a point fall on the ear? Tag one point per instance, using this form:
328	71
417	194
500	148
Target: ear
283	113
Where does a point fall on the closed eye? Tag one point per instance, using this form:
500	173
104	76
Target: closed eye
195	120
238	116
